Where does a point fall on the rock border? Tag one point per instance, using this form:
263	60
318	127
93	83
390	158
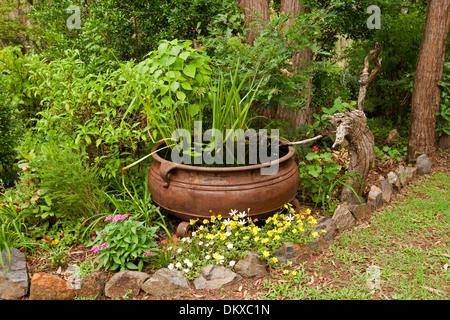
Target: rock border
128	284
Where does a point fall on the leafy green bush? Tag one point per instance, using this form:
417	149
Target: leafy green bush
124	243
72	188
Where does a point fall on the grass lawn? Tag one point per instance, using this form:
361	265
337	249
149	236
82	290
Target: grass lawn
408	241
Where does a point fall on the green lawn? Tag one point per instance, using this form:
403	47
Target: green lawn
408	240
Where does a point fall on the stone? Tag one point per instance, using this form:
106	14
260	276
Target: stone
323	241
423	164
45	286
165	282
93	285
393	136
410	174
375	197
401	174
251	266
294	253
361	211
394	181
125	283
386	191
215	277
343	217
14	280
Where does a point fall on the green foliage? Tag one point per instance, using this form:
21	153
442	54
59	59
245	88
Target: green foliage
443	116
124	243
72	188
179	76
388	152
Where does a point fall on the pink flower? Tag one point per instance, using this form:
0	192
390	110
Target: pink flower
95	248
104	246
108	218
315	148
148	254
119	217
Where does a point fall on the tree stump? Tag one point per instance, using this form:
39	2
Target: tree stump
352	126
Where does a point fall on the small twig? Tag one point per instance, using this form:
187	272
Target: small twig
301	142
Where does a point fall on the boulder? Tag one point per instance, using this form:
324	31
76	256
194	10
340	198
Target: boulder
423	164
394	181
343	217
165	282
294	253
361	211
393	136
14	280
251	266
125	283
375	197
323	241
215	277
401	174
386	191
410	174
93	285
45	286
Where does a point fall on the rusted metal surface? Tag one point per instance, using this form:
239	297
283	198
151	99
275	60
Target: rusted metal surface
191	192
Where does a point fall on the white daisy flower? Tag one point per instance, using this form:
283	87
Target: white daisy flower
170	266
232	263
230	246
178	265
207	257
233	212
242	214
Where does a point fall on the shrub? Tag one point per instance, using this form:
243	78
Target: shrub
124	243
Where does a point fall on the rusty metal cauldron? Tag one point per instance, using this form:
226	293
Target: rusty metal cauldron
191	192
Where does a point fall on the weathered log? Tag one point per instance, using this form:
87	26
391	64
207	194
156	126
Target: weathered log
352	126
366	79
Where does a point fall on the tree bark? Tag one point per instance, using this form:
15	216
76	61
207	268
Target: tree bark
426	92
366	79
250	7
352	126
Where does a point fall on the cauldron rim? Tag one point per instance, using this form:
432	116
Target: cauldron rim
187	167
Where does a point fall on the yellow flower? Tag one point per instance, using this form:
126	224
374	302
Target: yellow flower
236	233
314	234
308	211
266	254
246	238
201	228
223	236
323	231
200	235
294	273
222	227
213	218
286	271
256	239
205	221
235	218
279	224
275	259
289	262
219	217
294	230
270	233
276	238
265	240
56	241
192	221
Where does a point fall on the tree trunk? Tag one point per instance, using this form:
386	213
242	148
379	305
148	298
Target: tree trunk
426	92
250	8
352	126
300	60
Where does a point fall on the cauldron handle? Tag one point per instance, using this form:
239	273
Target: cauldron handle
164	171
